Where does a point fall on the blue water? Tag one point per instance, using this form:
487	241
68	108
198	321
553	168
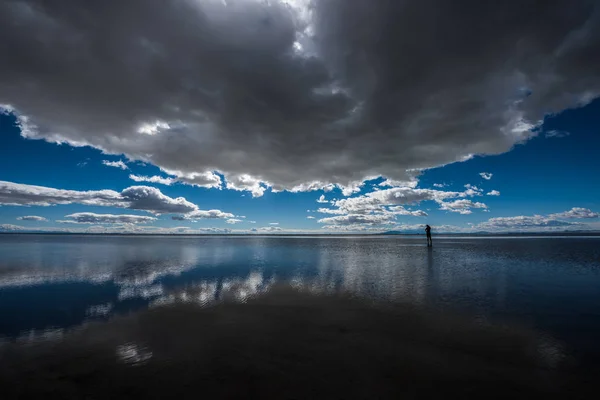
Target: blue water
53	282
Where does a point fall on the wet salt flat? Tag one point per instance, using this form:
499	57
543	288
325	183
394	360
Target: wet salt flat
49	283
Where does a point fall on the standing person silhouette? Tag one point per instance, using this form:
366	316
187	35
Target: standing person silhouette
428	232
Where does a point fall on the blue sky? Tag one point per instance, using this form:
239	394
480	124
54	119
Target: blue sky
551	173
290	116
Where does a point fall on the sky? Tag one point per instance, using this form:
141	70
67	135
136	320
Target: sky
256	116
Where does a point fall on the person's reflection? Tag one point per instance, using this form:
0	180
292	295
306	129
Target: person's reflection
430	282
429	262
428	232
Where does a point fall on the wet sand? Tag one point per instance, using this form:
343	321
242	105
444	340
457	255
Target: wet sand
287	344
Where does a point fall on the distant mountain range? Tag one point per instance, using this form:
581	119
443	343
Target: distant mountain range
399	233
484	233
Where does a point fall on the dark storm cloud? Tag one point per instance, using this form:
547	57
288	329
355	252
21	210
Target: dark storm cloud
289	93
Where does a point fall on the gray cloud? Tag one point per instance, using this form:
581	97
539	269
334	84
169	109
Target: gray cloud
32	218
93	218
152	200
30	195
143	198
271	94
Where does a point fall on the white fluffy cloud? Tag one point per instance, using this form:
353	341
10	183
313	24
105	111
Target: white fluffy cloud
375	201
576	212
322	199
310	217
369	223
93	218
381	207
493	193
522	223
207	179
266	229
234	221
351	188
152	179
32	218
407	183
356	228
115	164
202	214
399	210
542	223
143	198
556	134
486	175
11	228
472	191
420	228
246	182
119	228
356	219
324	210
462	206
285	94
307	187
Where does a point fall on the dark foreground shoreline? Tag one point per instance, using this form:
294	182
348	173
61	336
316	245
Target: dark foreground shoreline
289	344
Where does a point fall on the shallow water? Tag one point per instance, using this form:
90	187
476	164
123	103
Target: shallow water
289	343
52	282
